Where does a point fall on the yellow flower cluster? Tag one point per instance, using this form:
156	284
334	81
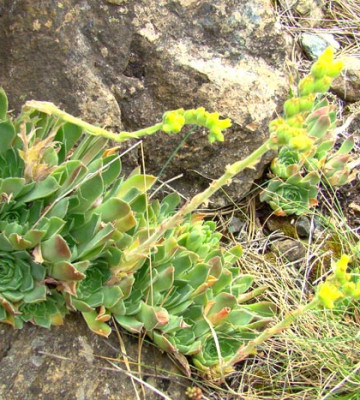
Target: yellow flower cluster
338	285
292	129
173	122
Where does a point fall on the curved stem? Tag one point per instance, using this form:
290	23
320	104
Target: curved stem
130	257
51	109
280	326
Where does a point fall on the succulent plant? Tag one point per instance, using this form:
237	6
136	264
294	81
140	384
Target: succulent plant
68	220
296	195
306	133
287	163
75	235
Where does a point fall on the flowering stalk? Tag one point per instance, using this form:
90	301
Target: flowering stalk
172	122
339	285
232	170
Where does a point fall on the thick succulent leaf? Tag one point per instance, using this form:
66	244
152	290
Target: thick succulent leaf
18	242
89	149
100	328
55	249
346	146
129	323
240	317
165	251
113	209
84	232
88	192
65	271
112	170
68	175
41	189
223	281
141	182
152	316
262	309
179	308
164	342
67	135
7	135
59	208
100	239
112	295
51	226
3	104
35	295
126	223
169	204
221	301
242	284
12	186
215	266
5	244
165	280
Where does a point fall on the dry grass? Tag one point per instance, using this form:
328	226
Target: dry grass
318	357
340	18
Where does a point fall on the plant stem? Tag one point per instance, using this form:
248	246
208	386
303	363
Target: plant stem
190	206
51	109
280	326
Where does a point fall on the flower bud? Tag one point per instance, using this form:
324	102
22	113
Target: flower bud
319	70
335	69
306	85
301	143
190	116
306	103
291	107
322	85
327	56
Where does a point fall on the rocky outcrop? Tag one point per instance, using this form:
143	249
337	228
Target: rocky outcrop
69	363
122	63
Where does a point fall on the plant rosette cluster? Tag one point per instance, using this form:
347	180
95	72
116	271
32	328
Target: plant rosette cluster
306	134
68	221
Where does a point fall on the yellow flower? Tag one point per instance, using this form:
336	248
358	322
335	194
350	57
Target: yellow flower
328	293
341	267
301	143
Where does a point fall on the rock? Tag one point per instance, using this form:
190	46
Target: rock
291	249
310	11
347	85
354	110
303	227
281	224
236	225
123	63
64	363
314	45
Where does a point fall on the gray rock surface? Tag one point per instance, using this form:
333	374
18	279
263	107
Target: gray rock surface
123	63
310	11
314	45
64	364
347	85
291	249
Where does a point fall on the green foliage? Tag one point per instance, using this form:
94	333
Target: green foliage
307	135
76	235
68	222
